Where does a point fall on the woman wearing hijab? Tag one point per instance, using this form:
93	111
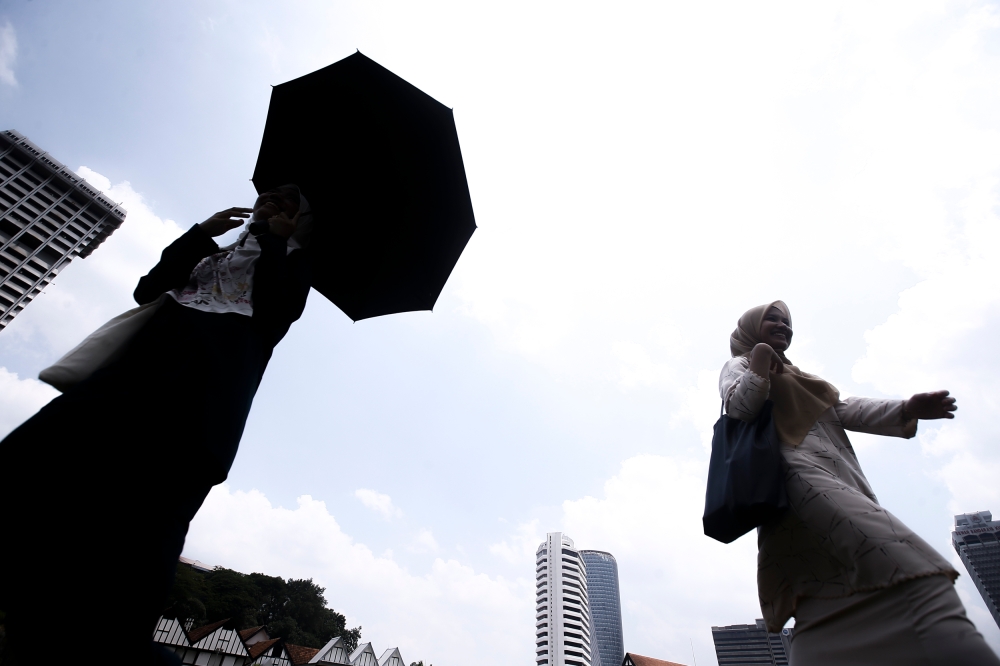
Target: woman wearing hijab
863	587
99	486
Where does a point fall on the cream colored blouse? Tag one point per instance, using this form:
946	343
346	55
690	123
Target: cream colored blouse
835	540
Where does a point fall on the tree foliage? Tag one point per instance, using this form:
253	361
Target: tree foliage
294	609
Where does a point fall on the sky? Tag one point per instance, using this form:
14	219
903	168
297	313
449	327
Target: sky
641	174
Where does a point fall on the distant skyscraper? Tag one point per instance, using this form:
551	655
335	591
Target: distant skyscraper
750	645
975	539
605	605
562	608
48	217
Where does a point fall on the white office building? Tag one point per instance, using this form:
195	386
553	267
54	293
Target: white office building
563	622
48	217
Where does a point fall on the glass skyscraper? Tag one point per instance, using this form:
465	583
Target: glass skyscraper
751	644
976	540
605	605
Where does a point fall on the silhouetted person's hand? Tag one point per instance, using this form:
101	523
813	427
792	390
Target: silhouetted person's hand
225	220
929	406
282	225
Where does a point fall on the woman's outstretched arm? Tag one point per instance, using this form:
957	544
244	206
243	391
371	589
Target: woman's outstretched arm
894	418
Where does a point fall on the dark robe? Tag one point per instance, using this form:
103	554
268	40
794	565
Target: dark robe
97	488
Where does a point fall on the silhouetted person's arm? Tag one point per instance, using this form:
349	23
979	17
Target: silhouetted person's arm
181	256
176	263
280	287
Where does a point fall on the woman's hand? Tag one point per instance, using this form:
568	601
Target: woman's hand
225	220
281	225
764	361
929	406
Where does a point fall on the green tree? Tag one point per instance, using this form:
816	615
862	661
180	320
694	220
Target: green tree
295	609
186	597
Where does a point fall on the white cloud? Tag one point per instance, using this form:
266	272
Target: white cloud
675	582
424	542
636	367
701	407
440	616
519	548
8	53
20	398
942	325
379	503
128	254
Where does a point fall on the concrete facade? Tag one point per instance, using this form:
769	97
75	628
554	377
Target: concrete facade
563	623
48	217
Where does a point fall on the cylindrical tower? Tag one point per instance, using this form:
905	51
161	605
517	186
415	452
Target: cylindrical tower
562	606
605	605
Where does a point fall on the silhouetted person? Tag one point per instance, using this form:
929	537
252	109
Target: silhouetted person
97	489
863	587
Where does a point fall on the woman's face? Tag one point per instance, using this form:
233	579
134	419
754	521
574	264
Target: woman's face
776	329
274	202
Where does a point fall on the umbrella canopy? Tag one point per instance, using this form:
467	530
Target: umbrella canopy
379	162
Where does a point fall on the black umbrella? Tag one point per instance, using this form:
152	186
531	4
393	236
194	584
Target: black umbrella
380	164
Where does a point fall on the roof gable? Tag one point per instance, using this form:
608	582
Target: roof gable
334	652
170	632
391	657
254	635
260	648
633	659
199	633
364	656
300	654
225	641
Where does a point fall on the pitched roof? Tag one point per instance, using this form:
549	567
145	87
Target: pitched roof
247	633
639	660
258	649
391	656
197	565
300	654
326	653
361	649
199	633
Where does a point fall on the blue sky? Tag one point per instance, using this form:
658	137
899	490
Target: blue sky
641	173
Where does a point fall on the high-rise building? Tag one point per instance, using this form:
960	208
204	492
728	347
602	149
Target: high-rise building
976	540
48	217
751	645
605	605
562	607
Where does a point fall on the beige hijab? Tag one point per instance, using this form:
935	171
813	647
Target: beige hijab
799	398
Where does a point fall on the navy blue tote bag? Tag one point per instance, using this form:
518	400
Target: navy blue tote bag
746	477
